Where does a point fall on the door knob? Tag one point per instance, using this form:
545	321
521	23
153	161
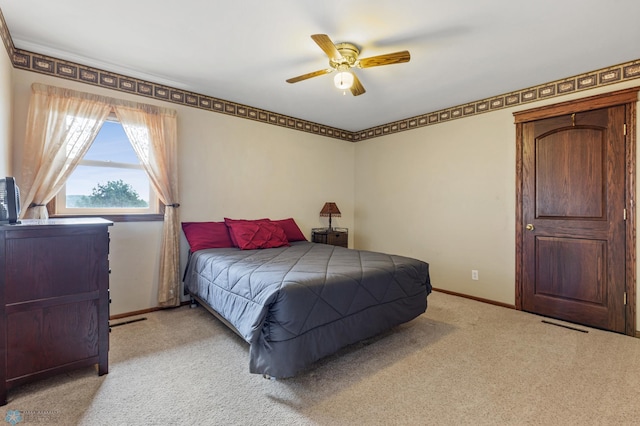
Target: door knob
530	227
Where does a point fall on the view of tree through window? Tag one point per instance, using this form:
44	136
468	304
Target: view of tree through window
112	194
109	176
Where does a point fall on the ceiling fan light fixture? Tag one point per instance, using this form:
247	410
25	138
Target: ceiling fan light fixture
343	57
343	80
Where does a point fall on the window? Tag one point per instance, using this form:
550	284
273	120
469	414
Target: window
109	180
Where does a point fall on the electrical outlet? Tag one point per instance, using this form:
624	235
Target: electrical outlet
474	274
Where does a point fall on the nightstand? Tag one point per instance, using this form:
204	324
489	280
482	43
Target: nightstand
335	236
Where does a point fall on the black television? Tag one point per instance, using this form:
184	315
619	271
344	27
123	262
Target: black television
9	201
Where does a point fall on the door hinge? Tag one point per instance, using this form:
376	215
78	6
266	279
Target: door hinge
625	298
624	214
625	129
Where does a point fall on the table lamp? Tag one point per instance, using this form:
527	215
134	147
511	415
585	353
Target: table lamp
330	209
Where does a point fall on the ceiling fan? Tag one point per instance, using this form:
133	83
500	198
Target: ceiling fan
343	57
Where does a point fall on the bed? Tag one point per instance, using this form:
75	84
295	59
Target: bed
298	302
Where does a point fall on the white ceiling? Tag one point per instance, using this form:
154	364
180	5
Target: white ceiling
243	51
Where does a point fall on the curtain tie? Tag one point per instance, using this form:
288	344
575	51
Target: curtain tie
174	205
36	205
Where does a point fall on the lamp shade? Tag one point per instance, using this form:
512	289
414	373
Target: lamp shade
343	80
330	209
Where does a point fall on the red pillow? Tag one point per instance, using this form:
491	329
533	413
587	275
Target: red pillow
251	235
291	229
228	222
204	235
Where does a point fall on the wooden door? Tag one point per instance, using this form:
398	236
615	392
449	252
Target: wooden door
573	217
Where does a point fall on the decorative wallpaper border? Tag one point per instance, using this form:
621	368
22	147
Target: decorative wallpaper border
71	71
590	80
6	37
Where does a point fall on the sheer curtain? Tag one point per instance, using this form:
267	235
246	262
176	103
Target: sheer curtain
153	134
62	124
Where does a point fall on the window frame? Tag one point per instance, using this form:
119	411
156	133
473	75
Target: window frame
111	214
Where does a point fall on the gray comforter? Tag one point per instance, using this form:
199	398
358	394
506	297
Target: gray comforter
297	304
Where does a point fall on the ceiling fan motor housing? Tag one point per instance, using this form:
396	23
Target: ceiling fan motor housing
349	54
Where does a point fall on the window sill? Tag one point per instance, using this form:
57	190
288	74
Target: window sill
152	217
119	217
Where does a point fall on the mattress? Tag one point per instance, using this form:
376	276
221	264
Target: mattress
297	304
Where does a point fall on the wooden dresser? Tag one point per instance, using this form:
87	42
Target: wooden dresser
54	299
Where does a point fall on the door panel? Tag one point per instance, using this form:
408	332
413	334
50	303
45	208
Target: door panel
554	273
563	157
573	253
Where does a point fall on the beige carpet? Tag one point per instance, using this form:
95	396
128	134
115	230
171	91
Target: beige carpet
462	362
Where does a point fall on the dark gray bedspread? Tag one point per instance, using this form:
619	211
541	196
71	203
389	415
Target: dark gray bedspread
297	304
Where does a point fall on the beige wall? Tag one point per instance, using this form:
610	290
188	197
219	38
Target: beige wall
446	194
228	167
443	193
6	72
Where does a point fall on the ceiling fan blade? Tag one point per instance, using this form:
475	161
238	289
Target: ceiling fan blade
357	88
327	45
388	59
309	75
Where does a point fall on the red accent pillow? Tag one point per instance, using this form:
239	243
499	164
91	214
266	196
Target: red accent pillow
291	229
204	235
250	235
228	223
